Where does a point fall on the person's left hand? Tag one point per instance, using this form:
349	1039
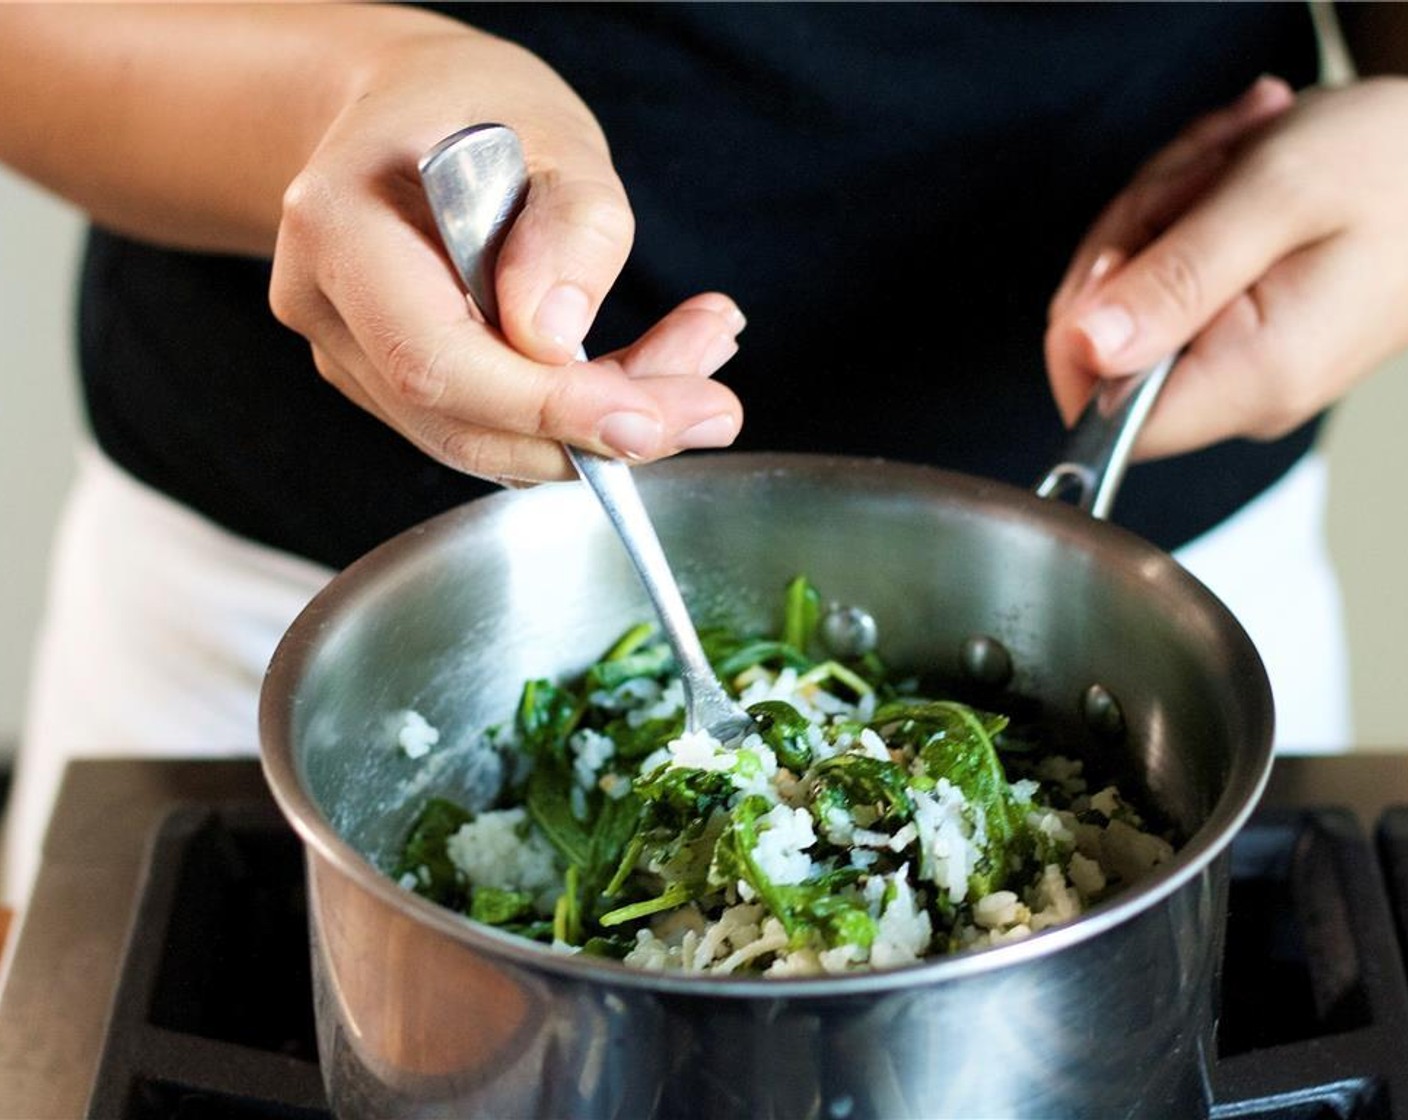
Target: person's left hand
1271	238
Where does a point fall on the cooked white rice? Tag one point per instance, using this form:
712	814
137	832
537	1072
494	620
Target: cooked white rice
1094	845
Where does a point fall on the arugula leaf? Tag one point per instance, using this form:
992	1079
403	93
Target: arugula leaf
917	721
567	915
633	742
496	907
737	656
615	828
733	854
801	613
835	671
425	847
653	662
549	802
817	911
547	715
821	910
955	742
614	947
593	846
675	895
846	781
676	795
629	642
682	855
682	813
786	731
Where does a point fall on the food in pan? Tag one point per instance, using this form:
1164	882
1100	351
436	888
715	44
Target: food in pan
862	825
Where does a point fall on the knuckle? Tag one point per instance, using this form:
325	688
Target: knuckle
286	302
561	397
552	407
329	370
282	302
471	450
306	199
496	456
415	372
293	299
288	299
519	464
1175	278
598	211
308	210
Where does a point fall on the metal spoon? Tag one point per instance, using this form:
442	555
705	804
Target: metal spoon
476	181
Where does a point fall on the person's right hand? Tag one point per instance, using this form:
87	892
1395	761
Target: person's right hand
359	271
1269	244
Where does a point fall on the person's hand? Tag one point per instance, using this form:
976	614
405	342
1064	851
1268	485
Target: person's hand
359	271
1272	239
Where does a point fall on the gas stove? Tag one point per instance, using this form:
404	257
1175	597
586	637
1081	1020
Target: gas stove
203	1009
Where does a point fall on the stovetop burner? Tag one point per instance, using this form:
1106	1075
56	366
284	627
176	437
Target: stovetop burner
212	1015
1314	1002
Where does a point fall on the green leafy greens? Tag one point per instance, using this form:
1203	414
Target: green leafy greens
861	821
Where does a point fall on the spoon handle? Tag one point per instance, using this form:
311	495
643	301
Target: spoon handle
476	181
707	706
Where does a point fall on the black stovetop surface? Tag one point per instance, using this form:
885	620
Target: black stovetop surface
212	1017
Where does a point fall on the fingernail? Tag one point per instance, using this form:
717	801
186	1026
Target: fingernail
1102	266
717	431
562	316
737	320
1074	289
1099	268
1109	329
718	352
631	434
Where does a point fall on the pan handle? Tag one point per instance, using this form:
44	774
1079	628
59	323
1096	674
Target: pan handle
1098	449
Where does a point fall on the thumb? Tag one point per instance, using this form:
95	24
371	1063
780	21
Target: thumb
564	251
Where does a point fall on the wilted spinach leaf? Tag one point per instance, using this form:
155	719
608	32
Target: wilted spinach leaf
496	907
425	847
786	731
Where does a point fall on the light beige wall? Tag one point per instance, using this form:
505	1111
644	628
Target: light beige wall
39	241
39	245
1368	529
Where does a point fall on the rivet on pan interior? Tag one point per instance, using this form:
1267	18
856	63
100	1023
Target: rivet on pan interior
848	631
1102	712
986	661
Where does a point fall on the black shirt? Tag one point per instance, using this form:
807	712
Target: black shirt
891	193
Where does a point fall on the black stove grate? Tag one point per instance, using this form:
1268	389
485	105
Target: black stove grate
213	1015
1314	1019
212	1018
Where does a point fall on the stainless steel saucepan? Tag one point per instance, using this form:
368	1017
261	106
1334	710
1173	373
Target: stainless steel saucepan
421	1013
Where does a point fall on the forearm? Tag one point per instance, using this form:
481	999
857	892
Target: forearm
183	124
294	131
